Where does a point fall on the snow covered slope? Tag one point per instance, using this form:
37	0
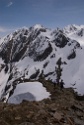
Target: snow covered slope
31	53
75	33
29	91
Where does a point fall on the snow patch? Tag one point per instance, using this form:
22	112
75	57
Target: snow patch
38	26
3	80
32	91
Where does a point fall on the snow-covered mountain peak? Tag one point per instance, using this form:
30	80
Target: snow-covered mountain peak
31	53
72	28
38	26
75	32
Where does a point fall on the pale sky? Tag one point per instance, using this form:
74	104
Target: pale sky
15	14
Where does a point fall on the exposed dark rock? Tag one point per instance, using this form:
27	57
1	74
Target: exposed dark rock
45	54
81	32
44	66
72	55
1	67
6	51
76	108
52	56
20	54
6	68
50	73
80	97
33	76
61	41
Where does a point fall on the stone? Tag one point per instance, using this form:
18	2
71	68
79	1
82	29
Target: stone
27	123
3	122
66	124
58	116
79	114
78	121
17	118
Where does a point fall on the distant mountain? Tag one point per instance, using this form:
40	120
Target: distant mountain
32	53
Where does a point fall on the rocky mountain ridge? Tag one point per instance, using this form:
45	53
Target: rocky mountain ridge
62	108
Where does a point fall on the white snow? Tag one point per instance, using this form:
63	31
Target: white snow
37	26
47	33
73	33
1	61
3	78
70	29
3	81
30	91
74	73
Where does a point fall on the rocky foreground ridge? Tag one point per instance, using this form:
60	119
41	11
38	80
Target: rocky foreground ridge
63	107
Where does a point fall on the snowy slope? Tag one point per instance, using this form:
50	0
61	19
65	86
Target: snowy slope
76	33
31	53
29	91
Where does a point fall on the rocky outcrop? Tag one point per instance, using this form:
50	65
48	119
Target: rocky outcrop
61	109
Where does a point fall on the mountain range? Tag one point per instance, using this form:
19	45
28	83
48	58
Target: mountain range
31	53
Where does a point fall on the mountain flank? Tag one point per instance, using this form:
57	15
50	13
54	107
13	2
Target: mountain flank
31	53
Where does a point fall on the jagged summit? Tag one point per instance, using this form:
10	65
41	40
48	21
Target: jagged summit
70	29
75	32
31	53
38	26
